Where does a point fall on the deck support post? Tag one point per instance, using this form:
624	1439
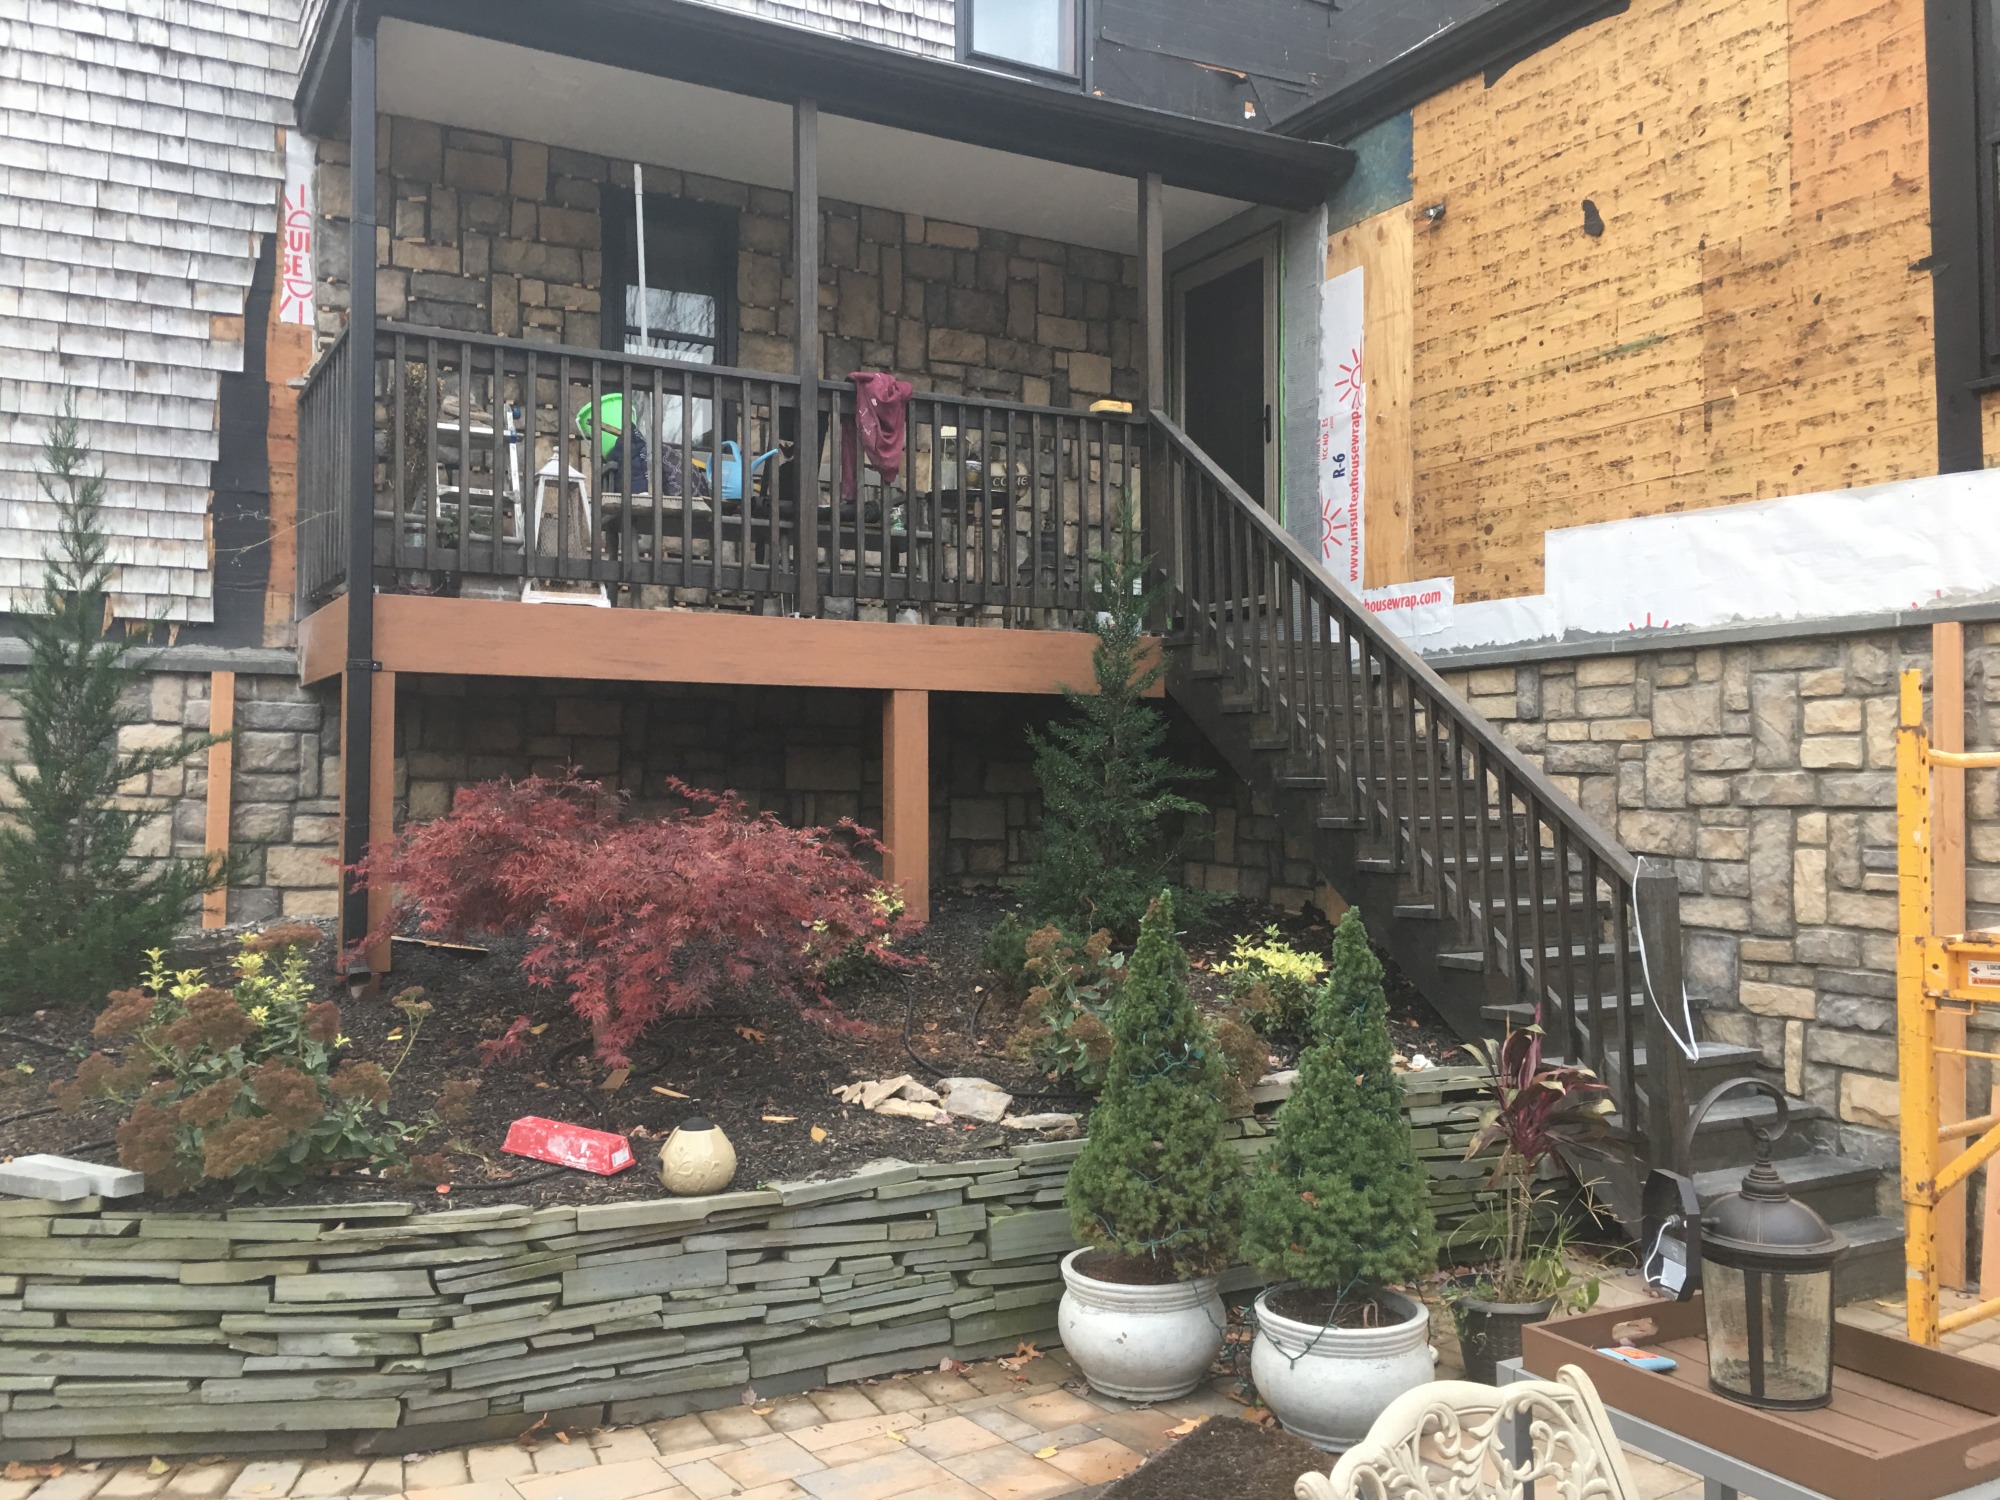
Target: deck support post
1156	528
357	693
805	280
378	763
221	775
906	796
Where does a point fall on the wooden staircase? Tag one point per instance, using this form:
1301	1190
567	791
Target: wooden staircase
1495	893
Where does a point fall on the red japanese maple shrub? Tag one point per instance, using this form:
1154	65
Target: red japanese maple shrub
639	918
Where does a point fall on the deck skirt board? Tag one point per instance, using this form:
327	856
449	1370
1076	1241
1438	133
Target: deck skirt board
497	638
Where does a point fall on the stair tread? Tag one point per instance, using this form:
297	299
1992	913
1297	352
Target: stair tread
1871	1233
1799	1173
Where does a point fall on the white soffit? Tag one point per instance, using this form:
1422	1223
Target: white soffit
505	90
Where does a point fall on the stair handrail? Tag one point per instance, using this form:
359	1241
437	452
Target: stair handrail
1299	642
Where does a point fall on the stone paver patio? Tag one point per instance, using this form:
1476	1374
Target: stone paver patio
986	1432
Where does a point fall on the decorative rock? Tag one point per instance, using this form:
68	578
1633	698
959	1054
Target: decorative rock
872	1094
65	1180
916	1093
908	1109
1055	1121
697	1159
976	1099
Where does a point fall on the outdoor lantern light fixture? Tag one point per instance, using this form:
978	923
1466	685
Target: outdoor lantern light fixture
1764	1263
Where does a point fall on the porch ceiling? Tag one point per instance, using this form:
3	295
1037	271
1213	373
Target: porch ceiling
450	79
670	81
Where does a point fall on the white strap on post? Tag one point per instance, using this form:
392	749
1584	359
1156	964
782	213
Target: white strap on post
639	219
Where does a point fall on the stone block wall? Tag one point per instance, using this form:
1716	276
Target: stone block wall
1766	774
503	236
284	812
142	1331
811	756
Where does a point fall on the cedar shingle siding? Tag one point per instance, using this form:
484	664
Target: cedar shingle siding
926	27
139	172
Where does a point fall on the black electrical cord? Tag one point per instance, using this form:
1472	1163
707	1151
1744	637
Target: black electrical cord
506	1182
29	1114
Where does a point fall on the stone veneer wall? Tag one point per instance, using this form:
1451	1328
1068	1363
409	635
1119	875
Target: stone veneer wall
146	1332
498	236
286	785
1766	773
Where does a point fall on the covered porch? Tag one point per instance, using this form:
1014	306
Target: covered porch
558	415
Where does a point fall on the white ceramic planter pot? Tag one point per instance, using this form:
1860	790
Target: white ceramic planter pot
1328	1385
1140	1343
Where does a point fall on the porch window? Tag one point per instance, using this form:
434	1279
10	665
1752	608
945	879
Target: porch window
687	307
1039	34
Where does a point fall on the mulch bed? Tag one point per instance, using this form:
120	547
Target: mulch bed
1224	1456
759	1070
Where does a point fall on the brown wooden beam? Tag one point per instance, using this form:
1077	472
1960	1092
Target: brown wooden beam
501	638
906	797
221	771
381	803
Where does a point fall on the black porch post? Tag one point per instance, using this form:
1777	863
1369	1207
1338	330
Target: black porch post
805	278
1157	514
357	685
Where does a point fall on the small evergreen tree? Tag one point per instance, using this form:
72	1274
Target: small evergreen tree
76	909
1107	790
1340	1201
1155	1180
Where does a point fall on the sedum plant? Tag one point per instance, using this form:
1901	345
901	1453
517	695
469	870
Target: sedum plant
247	1085
1066	1020
1274	983
1156	1182
1340	1202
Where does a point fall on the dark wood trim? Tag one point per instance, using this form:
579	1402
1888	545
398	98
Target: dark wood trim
1958	317
1494	39
356	729
805	277
720	49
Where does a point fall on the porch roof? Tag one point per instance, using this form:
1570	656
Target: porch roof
721	50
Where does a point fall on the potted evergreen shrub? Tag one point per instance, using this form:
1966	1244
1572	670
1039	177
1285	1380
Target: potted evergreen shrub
1154	1196
1535	1111
1339	1212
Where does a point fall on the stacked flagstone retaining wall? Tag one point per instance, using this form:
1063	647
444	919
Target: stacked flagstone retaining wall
272	1327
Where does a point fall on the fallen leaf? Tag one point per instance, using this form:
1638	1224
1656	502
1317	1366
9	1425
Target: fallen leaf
1186	1427
762	1411
818	1135
562	1437
750	1033
1049	1452
537	1031
395	1034
155	1468
950	1366
1259	1415
895	1437
526	1439
541	1083
781	1119
615	1080
19	1471
1023	1352
670	1093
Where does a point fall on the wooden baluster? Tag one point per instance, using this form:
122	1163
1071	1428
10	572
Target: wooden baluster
1537	917
1510	896
656	474
681	574
1443	797
1621	977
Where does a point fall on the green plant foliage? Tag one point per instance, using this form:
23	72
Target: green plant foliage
1065	1030
1156	1179
860	957
1274	983
1341	1202
1005	955
1108	792
74	902
247	1085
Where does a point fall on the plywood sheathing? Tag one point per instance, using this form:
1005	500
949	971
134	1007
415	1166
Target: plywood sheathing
1747	325
1380	246
1989	421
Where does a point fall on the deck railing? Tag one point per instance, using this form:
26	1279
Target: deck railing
513	469
1478	832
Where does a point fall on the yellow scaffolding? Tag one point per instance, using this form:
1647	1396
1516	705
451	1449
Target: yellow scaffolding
1936	974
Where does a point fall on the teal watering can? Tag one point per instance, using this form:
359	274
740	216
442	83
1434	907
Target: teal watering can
731	487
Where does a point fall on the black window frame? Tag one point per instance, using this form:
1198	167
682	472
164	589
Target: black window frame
1080	78
1964	109
667	213
1986	146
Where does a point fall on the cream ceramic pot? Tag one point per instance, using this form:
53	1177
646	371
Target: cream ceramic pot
1140	1343
1328	1385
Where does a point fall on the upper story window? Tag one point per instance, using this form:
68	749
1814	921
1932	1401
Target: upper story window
1040	34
